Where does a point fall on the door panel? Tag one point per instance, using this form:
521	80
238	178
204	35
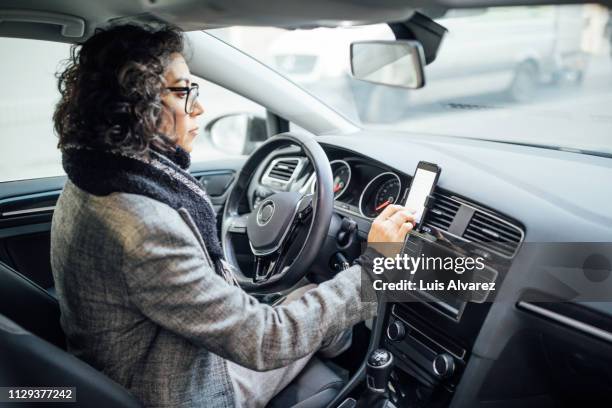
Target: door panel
26	208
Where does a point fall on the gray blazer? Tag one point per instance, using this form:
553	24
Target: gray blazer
141	302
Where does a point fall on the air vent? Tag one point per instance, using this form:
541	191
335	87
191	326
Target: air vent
441	215
493	233
281	171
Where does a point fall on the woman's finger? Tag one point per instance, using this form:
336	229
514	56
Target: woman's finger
400	217
389	211
405	229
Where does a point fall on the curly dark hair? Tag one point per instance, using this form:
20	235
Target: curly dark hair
111	89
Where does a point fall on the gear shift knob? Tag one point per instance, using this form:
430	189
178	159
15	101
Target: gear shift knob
378	370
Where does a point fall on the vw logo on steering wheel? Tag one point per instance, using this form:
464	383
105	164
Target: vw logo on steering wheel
265	212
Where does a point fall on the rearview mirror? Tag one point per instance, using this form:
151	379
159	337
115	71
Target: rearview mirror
394	63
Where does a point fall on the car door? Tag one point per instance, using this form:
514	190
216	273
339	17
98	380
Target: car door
31	175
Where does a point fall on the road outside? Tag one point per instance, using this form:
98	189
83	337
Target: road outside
567	115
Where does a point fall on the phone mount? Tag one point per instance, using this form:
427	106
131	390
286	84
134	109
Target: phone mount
429	203
418	232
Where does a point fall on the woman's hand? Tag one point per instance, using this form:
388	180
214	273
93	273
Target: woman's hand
391	227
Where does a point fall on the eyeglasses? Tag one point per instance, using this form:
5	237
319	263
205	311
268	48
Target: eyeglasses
192	91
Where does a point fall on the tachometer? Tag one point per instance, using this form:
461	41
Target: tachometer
380	192
342	177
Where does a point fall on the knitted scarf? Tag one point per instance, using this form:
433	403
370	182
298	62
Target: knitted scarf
161	177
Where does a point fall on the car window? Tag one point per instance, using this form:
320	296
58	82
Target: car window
28	144
217	102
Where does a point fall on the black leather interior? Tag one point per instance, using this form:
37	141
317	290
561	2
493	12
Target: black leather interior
30	306
28	361
32	346
30	255
314	387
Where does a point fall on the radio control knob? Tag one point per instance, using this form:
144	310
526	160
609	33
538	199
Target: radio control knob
444	365
396	331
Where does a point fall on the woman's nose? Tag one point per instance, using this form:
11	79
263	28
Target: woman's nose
198	109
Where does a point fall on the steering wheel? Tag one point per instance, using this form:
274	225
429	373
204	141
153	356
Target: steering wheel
287	229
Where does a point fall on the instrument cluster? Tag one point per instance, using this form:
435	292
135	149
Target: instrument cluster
362	188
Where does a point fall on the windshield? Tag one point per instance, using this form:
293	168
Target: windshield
538	75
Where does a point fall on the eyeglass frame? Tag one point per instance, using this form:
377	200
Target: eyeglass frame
187	89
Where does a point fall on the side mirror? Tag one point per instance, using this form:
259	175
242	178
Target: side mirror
395	63
236	133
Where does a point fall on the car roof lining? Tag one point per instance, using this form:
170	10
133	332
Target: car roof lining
191	15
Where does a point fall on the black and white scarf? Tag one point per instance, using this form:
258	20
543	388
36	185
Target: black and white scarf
161	177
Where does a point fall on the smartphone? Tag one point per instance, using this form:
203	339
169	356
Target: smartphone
422	186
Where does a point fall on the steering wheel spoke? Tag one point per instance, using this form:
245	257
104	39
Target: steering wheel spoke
238	224
265	267
272	264
304	211
269	265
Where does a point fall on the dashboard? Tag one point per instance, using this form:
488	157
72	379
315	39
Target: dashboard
364	187
495	199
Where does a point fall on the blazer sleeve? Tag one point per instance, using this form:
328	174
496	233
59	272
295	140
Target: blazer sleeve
170	280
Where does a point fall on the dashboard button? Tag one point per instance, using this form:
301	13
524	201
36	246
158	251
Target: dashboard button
396	331
444	365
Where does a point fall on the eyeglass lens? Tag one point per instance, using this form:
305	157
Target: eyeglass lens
191	100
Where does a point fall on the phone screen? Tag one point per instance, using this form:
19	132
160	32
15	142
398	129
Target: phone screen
421	187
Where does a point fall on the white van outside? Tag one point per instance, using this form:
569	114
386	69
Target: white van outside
511	50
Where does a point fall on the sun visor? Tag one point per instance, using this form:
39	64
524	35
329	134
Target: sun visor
33	24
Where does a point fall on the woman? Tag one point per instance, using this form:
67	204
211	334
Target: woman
144	292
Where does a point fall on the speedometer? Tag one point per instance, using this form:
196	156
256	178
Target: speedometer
387	193
380	192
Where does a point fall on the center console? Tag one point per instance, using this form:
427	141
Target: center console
430	351
431	338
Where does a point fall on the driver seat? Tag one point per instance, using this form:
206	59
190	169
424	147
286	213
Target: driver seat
30	306
315	387
37	357
33	343
29	361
